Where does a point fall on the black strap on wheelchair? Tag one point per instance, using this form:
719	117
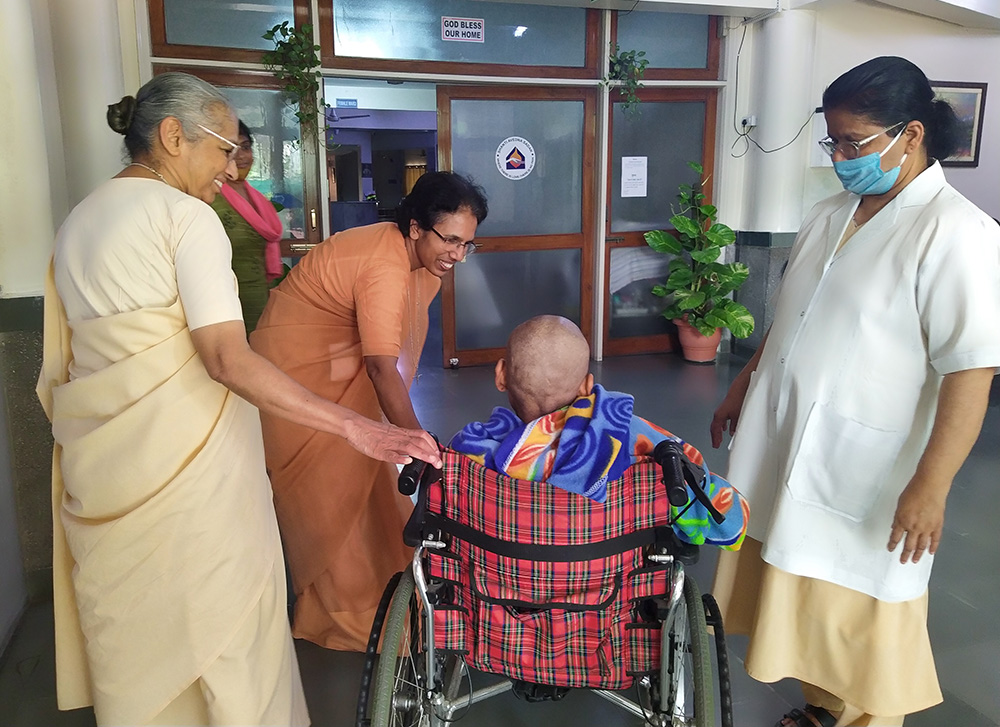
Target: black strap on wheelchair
548	553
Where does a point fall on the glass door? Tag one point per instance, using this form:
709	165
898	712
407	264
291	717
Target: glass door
648	160
532	151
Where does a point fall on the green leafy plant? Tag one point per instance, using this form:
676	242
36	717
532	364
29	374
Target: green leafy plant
698	285
626	70
295	62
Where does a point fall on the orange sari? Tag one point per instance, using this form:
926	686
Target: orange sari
340	514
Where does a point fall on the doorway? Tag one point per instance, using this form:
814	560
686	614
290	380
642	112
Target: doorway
532	149
381	136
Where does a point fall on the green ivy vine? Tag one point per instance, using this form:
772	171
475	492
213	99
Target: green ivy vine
295	62
626	68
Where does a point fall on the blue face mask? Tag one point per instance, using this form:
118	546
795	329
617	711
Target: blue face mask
864	175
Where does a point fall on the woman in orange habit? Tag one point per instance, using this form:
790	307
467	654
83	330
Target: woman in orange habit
350	321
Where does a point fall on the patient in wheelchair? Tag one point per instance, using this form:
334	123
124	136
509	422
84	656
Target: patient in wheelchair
563	429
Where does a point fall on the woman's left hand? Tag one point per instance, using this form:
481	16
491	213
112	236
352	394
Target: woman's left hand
920	517
920	511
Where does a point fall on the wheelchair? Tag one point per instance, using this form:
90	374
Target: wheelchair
551	591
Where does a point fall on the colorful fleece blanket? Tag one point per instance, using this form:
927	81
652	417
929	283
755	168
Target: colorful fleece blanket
591	442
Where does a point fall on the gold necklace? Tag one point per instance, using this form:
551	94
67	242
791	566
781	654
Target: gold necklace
140	164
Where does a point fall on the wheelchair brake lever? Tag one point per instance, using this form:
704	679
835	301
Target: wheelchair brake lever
694	479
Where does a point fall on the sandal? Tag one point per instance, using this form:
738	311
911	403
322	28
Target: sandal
810	716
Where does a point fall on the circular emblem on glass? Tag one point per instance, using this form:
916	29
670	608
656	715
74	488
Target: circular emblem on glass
515	157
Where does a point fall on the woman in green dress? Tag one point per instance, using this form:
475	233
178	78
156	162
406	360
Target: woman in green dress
252	223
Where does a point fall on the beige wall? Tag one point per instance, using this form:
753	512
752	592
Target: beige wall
62	63
852	32
30	148
754	191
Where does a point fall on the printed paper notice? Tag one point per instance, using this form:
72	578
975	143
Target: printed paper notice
634	176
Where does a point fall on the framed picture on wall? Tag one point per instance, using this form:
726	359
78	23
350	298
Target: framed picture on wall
969	102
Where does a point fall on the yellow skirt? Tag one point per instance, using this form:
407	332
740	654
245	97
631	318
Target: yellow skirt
869	653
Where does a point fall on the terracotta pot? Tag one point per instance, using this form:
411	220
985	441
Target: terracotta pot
695	346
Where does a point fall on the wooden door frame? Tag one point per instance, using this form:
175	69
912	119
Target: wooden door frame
709	73
668	341
446	94
161	48
330	59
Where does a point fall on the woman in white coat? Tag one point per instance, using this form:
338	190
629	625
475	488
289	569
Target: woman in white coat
859	408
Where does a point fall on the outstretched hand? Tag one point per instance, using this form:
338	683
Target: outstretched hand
920	518
383	441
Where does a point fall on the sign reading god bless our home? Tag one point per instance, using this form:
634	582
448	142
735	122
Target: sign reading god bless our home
465	30
515	157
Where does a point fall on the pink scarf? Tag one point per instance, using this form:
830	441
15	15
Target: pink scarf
261	216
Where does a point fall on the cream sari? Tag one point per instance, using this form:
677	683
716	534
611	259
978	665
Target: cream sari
165	540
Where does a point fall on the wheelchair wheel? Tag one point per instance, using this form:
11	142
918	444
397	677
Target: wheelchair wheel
686	684
399	692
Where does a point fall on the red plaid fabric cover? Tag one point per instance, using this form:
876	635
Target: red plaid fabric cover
563	623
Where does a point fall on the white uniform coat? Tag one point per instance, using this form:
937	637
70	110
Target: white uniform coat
841	406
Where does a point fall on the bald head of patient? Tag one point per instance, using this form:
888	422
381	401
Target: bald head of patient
546	367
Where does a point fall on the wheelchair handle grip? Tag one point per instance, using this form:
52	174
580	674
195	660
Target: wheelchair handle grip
668	455
677	468
410	475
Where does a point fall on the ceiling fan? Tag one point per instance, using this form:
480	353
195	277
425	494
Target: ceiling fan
334	116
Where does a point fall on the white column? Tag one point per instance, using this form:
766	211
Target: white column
87	49
784	47
27	112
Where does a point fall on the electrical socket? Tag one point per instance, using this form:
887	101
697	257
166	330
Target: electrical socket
748	122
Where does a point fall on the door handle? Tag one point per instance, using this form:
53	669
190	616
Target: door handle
312	217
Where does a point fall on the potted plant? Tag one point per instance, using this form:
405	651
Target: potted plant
698	286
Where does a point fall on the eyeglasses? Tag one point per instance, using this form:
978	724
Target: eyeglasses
851	149
234	147
467	247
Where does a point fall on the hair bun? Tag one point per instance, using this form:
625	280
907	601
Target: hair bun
120	114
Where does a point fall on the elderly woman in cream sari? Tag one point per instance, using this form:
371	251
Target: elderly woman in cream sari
168	576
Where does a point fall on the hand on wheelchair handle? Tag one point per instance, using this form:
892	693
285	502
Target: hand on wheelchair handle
412	473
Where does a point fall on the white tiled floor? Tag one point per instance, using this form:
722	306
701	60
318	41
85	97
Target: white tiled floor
964	603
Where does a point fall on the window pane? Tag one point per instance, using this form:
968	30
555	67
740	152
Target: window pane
512	34
635	311
671	40
277	167
224	23
668	135
548	200
494	292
